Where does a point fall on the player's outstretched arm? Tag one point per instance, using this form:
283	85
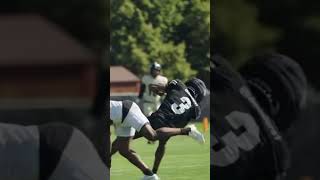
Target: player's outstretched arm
159	155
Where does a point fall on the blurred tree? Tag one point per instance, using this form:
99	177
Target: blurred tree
238	33
163	31
195	31
300	23
291	27
138	37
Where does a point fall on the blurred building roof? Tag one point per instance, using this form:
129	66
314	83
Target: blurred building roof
31	39
121	74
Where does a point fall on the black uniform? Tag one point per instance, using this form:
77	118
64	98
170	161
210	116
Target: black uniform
177	109
245	144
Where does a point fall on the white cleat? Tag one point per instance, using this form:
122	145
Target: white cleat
195	134
153	177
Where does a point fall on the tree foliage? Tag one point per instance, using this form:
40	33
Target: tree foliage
143	31
291	27
239	33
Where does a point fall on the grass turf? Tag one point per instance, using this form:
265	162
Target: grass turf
185	159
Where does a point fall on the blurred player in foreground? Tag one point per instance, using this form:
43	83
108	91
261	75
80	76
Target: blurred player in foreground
180	106
279	85
48	152
150	100
246	142
127	119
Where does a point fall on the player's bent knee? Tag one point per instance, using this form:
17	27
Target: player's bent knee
149	133
162	136
153	136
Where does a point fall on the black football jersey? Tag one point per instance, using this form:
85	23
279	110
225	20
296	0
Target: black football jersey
245	144
177	109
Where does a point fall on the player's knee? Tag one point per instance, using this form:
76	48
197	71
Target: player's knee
153	135
149	133
162	136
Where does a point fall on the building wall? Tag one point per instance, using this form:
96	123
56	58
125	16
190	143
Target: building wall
49	84
124	87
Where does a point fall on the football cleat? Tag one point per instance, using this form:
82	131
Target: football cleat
153	177
195	134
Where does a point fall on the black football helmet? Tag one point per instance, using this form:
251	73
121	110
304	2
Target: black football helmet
197	87
279	84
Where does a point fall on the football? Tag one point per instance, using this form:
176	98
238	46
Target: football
158	89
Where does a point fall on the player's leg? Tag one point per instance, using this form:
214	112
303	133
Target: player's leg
123	146
125	134
114	147
159	155
137	120
162	133
137	135
154	107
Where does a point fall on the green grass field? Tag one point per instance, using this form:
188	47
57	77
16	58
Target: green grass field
185	159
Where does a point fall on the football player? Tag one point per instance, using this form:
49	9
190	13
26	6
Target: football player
48	152
245	142
127	119
150	100
179	107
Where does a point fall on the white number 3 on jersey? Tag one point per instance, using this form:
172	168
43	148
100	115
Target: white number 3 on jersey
233	143
181	108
